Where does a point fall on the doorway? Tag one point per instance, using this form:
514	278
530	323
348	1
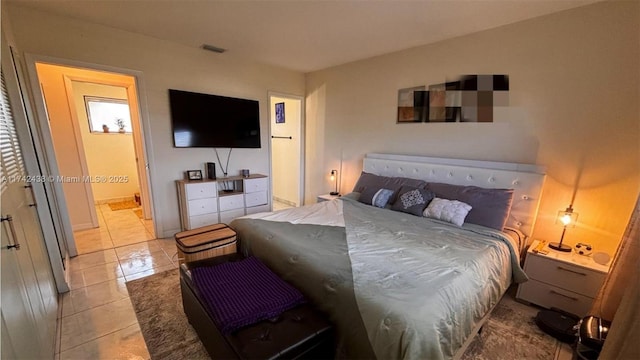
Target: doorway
97	140
287	144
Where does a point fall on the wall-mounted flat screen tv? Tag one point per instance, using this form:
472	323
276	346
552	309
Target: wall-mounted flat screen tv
203	120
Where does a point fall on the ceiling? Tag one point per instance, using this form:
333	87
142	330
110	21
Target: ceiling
303	35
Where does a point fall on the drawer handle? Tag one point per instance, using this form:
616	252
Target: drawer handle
563	295
571	271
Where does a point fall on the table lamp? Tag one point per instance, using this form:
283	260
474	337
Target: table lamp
334	174
567	218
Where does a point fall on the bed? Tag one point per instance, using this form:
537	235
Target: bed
397	285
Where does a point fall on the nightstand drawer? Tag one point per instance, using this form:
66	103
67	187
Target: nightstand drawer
564	275
550	296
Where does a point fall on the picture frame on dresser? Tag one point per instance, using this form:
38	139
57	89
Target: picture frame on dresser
193	175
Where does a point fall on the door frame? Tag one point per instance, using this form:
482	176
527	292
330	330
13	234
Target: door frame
143	141
271	94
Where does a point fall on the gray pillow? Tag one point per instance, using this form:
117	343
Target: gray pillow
489	207
412	200
376	197
368	180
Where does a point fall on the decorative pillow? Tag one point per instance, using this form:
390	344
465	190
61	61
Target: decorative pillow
376	197
412	200
368	180
490	206
452	211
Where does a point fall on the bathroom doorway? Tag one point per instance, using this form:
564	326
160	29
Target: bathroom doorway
97	141
287	154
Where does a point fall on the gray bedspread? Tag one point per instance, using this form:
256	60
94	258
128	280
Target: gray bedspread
396	286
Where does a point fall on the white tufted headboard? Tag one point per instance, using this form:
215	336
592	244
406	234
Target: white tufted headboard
525	180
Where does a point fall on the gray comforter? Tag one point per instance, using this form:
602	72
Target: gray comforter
395	285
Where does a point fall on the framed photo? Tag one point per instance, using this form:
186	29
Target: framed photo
194	175
280	113
412	105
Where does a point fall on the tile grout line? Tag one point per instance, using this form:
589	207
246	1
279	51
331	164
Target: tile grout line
107	226
119	260
97	306
100	337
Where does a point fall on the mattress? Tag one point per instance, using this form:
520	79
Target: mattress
395	285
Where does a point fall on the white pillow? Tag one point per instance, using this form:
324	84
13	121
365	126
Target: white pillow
452	211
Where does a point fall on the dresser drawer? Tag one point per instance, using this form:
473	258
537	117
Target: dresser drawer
566	276
228	216
258	209
202	220
201	190
256	185
202	206
550	296
231	202
255	199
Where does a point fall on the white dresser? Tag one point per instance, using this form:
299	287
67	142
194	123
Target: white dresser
208	202
563	280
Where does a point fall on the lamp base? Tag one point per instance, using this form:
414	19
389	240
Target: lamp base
334	193
560	247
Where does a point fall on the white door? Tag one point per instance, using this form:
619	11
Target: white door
287	144
28	291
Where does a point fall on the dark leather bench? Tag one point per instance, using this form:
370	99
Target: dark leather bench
299	333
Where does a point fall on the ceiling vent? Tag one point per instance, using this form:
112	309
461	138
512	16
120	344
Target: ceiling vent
215	49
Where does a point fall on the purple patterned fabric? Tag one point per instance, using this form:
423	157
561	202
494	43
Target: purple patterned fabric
242	293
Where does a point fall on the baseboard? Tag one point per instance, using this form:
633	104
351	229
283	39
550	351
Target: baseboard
86	226
284	201
168	233
113	200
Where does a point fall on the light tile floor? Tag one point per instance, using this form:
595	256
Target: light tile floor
97	320
116	228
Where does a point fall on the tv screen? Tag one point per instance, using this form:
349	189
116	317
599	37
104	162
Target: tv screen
202	120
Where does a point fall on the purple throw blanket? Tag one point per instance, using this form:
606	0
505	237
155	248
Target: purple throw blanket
242	293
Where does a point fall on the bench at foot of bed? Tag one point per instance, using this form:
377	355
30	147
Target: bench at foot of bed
298	333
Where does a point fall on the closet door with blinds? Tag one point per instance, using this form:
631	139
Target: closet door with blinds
28	292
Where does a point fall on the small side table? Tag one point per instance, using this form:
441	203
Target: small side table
327	197
564	280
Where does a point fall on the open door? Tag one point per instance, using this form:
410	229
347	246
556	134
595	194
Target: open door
287	149
62	81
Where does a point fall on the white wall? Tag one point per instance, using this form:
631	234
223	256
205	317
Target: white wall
574	90
163	65
107	154
285	153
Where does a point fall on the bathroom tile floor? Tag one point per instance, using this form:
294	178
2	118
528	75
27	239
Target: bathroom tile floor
97	320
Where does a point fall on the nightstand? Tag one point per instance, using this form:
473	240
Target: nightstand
563	280
327	197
